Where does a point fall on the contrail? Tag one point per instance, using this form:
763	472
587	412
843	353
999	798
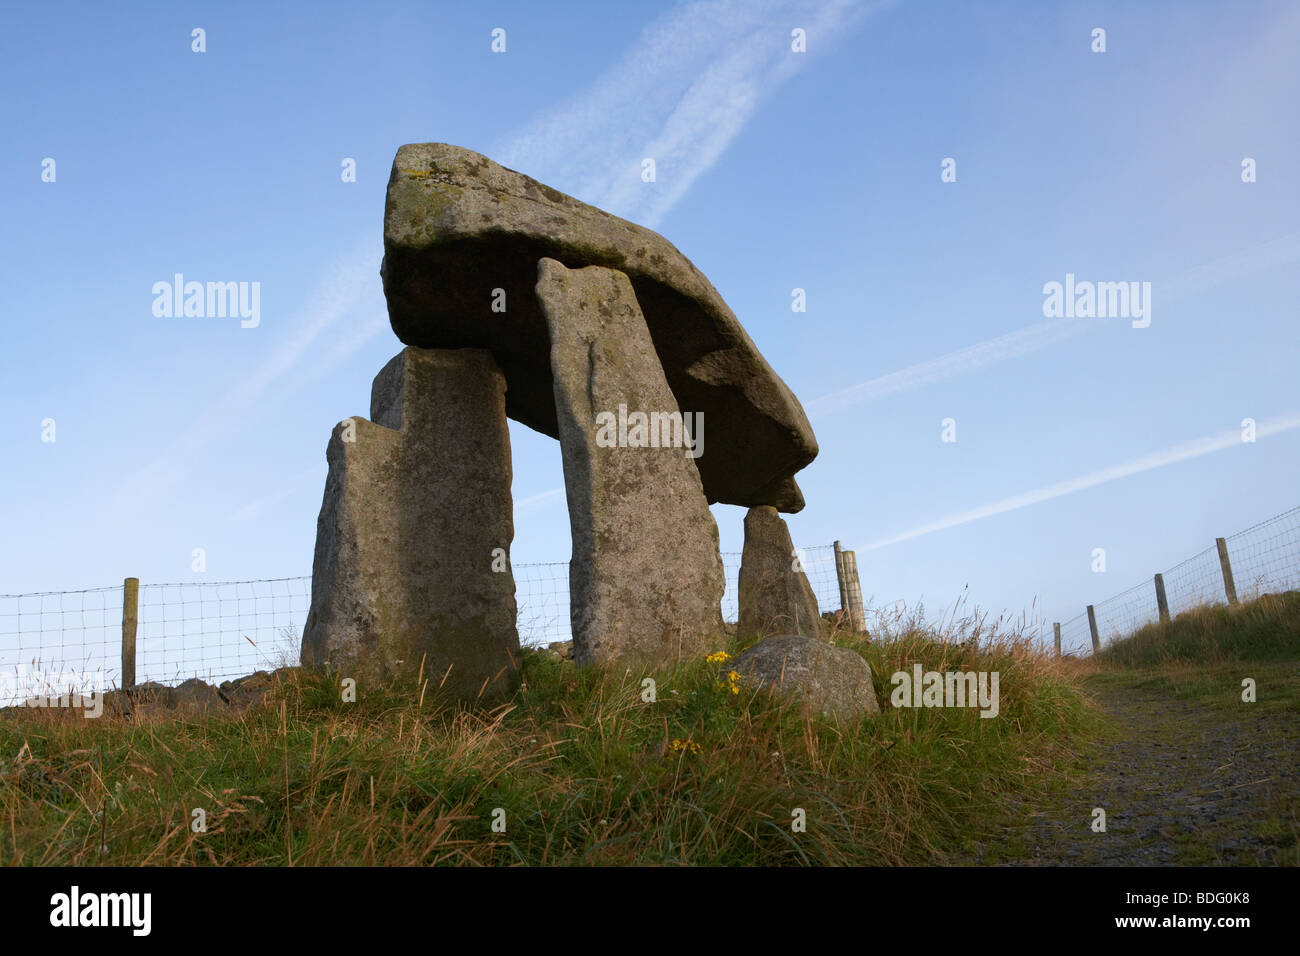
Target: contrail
346	286
680	96
1032	338
1008	346
1157	459
285	491
544	496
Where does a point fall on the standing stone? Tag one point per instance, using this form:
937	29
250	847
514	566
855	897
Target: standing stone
774	597
414	533
646	580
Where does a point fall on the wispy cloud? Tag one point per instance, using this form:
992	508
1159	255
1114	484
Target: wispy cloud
684	91
282	492
1042	335
348	284
539	498
1157	459
369	323
681	95
1000	349
1261	258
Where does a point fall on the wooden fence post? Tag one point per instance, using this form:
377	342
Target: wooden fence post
1229	588
857	613
1056	629
842	579
1162	603
1092	626
130	617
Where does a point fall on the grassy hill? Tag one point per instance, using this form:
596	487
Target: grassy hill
577	768
1204	654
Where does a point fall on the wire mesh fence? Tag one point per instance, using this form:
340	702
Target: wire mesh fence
219	631
57	641
542	601
1191	583
1262	559
1124	613
1075	637
1264	556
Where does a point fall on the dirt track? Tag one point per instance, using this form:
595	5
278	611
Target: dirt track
1180	785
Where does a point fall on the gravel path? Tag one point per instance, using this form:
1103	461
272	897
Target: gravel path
1181	784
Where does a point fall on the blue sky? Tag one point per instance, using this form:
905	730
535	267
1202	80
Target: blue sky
775	170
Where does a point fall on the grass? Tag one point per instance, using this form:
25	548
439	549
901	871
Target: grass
576	769
1206	653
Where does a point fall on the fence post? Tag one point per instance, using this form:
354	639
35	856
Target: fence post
857	613
1092	626
1056	629
130	616
1162	603
842	579
1229	588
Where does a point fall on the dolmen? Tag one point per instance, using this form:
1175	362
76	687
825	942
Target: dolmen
517	301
